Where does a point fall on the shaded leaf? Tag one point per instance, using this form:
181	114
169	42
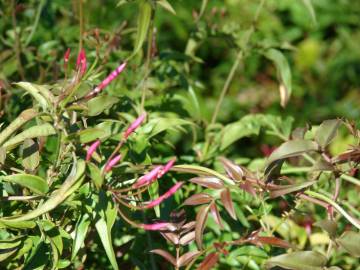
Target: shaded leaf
327	225
186	258
171	237
80	234
350	240
99	104
226	200
166	255
197	199
310	8
35	183
95	175
187	238
209	261
215	213
234	171
201	218
277	191
208	182
300	260
326	132
30	154
143	24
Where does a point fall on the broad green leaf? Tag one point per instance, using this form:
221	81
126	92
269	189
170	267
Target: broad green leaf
292	149
81	230
39	92
310	8
30	133
166	5
300	260
99	104
327	225
246	126
350	241
30	154
35	183
38	257
90	135
327	132
284	72
144	19
157	125
106	214
95	175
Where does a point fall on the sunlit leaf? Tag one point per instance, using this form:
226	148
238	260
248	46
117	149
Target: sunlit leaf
144	17
327	225
209	261
30	154
208	182
350	242
327	132
35	183
201	218
197	199
228	203
300	260
187	257
80	234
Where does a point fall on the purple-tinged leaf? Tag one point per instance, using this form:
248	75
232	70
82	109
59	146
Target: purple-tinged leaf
197	199
227	202
166	255
247	186
201	218
208	182
171	237
186	258
188	227
269	240
215	213
187	238
209	261
277	191
234	171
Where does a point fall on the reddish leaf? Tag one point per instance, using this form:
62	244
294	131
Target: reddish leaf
197	199
209	261
208	182
166	255
215	213
171	237
273	241
234	171
186	258
227	202
277	191
187	238
201	218
248	188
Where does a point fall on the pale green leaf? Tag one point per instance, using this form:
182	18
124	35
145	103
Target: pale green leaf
35	183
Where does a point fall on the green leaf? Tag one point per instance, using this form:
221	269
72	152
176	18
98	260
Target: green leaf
166	5
81	230
39	92
144	19
350	242
30	133
95	175
327	225
246	126
158	125
99	104
35	183
292	149
106	212
284	72
90	134
154	193
310	8
327	132
286	189
300	260
30	155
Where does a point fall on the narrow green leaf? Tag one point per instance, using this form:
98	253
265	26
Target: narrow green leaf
95	175
99	104
35	183
30	133
39	92
310	8
144	19
284	72
166	5
81	230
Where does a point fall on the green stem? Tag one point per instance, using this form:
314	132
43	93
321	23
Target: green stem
351	219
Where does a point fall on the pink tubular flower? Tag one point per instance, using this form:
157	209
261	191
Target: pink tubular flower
167	167
111	163
155	226
92	149
166	195
66	58
107	80
134	125
149	177
81	62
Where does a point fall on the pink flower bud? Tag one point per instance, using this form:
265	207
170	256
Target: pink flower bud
155	226
134	125
166	195
66	58
148	178
167	167
81	62
107	80
111	163
92	149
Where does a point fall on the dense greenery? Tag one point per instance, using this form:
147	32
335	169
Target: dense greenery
150	134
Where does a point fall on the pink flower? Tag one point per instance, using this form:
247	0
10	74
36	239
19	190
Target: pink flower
166	195
107	80
92	149
81	62
149	177
155	226
111	163
66	58
167	167
134	125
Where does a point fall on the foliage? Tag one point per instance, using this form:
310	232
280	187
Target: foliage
125	141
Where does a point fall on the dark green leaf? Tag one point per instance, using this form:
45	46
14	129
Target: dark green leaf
327	132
